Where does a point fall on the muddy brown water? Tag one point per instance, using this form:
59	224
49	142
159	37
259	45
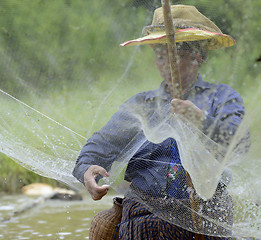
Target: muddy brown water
49	219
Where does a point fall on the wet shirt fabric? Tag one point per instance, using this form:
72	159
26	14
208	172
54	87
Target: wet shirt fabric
157	169
224	111
176	175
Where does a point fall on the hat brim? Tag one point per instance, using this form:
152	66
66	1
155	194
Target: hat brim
216	40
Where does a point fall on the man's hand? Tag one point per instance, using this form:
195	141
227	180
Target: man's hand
187	109
90	175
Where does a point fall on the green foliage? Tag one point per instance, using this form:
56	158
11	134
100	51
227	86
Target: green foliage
13	177
45	42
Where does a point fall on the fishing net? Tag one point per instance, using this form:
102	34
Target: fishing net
64	76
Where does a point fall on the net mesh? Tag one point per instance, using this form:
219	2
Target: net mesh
69	67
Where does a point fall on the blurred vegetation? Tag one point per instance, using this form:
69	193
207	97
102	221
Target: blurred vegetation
49	43
13	176
63	57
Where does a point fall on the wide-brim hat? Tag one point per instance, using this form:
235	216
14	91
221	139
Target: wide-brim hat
190	25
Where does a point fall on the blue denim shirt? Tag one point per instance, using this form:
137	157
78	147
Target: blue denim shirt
224	111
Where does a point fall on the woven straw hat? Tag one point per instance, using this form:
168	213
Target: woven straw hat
190	25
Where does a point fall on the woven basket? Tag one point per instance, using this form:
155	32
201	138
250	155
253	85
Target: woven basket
104	222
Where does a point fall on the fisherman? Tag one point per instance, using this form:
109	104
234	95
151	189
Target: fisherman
155	170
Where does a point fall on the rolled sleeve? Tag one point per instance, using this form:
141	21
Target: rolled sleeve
105	145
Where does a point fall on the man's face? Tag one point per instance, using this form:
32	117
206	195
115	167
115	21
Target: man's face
188	65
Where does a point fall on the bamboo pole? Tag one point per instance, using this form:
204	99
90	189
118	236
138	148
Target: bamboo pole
172	50
177	93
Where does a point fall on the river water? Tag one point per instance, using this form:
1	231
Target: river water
49	219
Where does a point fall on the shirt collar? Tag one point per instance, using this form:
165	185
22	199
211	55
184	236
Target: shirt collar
158	93
201	84
162	92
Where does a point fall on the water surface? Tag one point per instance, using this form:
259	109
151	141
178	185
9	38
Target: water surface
50	219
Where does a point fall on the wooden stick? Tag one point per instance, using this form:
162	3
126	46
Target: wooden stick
172	51
177	93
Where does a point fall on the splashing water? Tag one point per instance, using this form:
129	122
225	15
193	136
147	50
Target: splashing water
48	148
37	142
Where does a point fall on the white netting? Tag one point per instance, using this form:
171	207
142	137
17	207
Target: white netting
64	60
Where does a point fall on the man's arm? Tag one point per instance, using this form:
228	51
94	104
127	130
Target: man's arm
98	154
227	114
